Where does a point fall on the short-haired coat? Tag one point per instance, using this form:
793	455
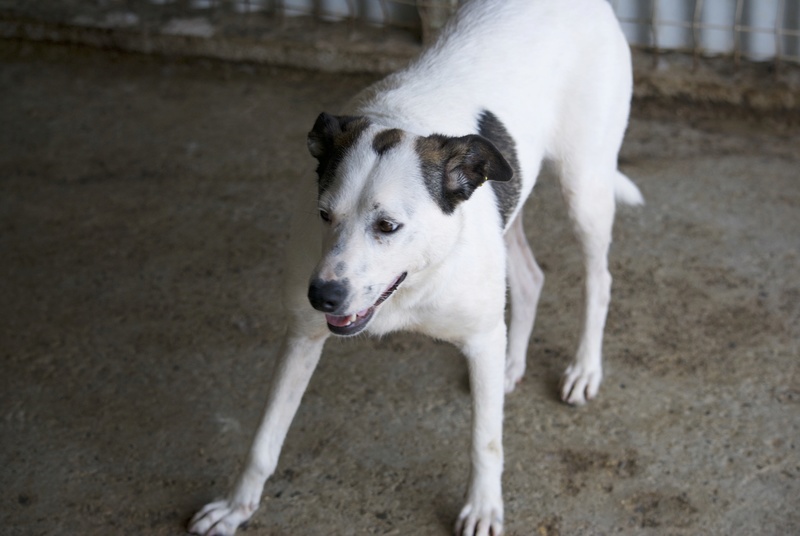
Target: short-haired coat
416	220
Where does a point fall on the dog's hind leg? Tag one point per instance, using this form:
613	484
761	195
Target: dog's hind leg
589	194
299	357
525	280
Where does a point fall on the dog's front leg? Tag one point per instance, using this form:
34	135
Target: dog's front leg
483	513
298	360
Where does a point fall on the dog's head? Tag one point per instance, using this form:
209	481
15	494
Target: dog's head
389	205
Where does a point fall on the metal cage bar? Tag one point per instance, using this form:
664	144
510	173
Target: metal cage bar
760	30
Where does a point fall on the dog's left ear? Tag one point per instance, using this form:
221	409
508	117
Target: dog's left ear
474	160
462	165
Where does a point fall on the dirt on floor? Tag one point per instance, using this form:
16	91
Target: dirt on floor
143	215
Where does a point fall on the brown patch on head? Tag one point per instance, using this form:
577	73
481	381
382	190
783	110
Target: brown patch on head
386	140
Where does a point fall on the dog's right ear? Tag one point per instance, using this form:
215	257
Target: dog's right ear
320	139
333	132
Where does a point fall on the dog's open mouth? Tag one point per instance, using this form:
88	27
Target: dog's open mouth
352	324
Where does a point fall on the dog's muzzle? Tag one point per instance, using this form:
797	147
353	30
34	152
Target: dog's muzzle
329	296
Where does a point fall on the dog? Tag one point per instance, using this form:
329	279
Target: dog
416	222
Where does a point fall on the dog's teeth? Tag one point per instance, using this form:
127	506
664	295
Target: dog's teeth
352	318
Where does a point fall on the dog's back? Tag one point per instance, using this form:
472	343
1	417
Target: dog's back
546	69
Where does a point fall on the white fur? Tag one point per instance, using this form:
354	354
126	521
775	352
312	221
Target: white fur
557	74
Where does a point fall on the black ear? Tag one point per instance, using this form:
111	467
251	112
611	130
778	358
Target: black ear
460	166
472	160
320	139
329	141
328	131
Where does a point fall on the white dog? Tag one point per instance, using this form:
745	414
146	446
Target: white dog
402	234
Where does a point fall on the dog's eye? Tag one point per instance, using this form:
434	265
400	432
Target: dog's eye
325	215
388	226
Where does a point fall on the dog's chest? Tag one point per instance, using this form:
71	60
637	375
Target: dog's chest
427	320
449	305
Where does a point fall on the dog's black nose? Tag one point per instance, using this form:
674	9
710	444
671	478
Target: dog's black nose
327	296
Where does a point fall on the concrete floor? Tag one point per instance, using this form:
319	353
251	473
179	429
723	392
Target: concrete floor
143	209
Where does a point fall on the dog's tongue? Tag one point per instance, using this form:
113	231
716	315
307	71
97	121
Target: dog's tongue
338	321
342	321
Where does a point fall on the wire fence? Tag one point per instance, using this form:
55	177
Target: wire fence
758	30
754	30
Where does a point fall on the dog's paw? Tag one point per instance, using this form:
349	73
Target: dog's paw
480	518
580	384
220	518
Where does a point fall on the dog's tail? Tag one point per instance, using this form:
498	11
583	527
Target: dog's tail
625	191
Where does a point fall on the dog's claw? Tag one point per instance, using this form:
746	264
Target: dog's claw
220	518
580	384
480	520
